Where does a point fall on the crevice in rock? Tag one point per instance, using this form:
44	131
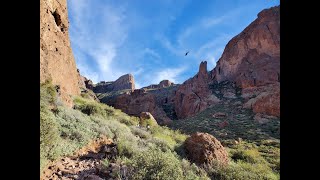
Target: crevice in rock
197	95
58	21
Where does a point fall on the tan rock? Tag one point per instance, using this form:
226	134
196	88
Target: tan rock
56	59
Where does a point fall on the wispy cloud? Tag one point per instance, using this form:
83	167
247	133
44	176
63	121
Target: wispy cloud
101	44
171	74
151	52
149	39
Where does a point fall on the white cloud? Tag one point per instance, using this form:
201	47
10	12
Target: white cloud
152	53
138	72
101	44
209	22
171	74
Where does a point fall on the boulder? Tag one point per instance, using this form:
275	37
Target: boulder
204	148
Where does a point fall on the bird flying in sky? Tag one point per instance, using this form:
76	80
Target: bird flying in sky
186	53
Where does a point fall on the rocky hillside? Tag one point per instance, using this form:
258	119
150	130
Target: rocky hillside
57	63
251	60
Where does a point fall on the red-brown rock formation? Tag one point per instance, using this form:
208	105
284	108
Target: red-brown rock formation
56	59
194	95
140	101
204	148
252	58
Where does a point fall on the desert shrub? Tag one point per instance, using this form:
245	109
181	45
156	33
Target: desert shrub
125	119
49	136
155	164
128	148
148	122
140	132
159	143
192	172
240	170
90	108
175	135
248	155
48	94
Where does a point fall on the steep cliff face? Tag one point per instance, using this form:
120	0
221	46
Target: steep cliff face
252	58
252	61
56	59
194	95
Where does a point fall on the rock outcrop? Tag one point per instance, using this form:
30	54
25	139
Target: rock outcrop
124	82
194	95
204	148
252	60
57	63
264	99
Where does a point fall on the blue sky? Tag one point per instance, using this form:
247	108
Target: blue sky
148	38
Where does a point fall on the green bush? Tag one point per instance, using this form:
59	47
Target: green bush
192	172
240	170
90	108
48	93
49	136
155	164
140	132
248	155
148	122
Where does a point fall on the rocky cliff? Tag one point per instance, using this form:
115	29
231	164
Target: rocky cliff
252	58
194	95
56	59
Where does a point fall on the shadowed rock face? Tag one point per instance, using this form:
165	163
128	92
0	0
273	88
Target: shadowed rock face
252	58
56	59
194	95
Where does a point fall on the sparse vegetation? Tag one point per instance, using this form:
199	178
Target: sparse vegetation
155	153
74	128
